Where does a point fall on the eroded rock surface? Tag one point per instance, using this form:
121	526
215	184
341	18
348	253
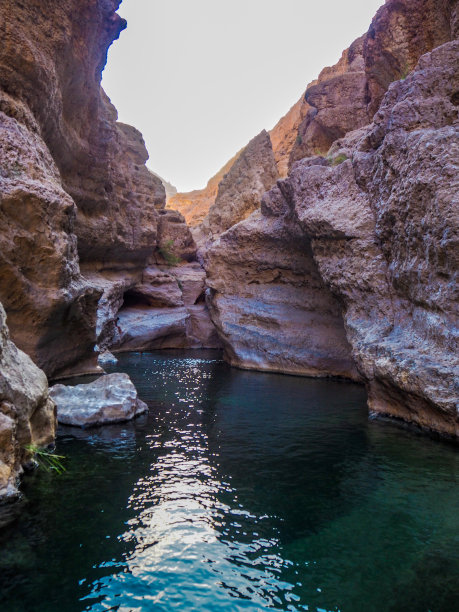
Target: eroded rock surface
109	399
347	95
240	191
27	415
269	303
80	214
194	205
165	310
383	229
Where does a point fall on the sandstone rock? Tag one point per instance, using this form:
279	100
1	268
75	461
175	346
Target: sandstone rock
109	399
268	302
384	232
240	191
27	415
195	205
175	241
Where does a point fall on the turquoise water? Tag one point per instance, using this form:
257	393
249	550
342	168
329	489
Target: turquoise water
240	491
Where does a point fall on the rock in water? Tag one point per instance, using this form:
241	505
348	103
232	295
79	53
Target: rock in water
109	399
27	415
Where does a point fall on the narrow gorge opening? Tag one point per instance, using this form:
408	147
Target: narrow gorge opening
324	248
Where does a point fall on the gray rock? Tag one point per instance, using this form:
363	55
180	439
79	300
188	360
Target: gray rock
109	399
106	357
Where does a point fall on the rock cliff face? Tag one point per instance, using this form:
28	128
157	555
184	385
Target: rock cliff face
352	260
269	303
79	209
27	415
385	235
347	95
239	192
194	205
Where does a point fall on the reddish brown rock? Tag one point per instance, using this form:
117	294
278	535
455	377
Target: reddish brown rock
346	96
284	135
194	205
175	240
74	187
240	191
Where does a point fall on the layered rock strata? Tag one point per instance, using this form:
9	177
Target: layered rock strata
166	309
379	220
27	415
80	213
269	303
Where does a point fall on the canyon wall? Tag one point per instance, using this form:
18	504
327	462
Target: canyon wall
82	219
349	266
81	216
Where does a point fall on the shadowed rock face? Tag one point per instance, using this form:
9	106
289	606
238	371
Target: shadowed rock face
27	415
74	187
371	229
383	230
268	301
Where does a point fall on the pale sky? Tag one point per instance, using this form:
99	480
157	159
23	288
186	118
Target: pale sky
200	78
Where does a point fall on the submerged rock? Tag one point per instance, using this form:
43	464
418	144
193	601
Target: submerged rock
109	399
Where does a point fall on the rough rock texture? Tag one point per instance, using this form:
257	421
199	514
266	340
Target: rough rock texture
60	144
109	399
383	228
338	103
74	187
270	306
27	415
51	309
194	205
285	134
165	309
174	237
240	191
117	197
347	95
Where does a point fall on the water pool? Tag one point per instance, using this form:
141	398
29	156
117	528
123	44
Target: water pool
240	491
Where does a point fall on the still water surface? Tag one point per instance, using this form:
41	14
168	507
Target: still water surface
239	491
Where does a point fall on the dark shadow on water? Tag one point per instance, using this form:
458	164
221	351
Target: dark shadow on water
238	491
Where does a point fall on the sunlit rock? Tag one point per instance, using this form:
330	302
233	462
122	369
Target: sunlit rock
109	399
